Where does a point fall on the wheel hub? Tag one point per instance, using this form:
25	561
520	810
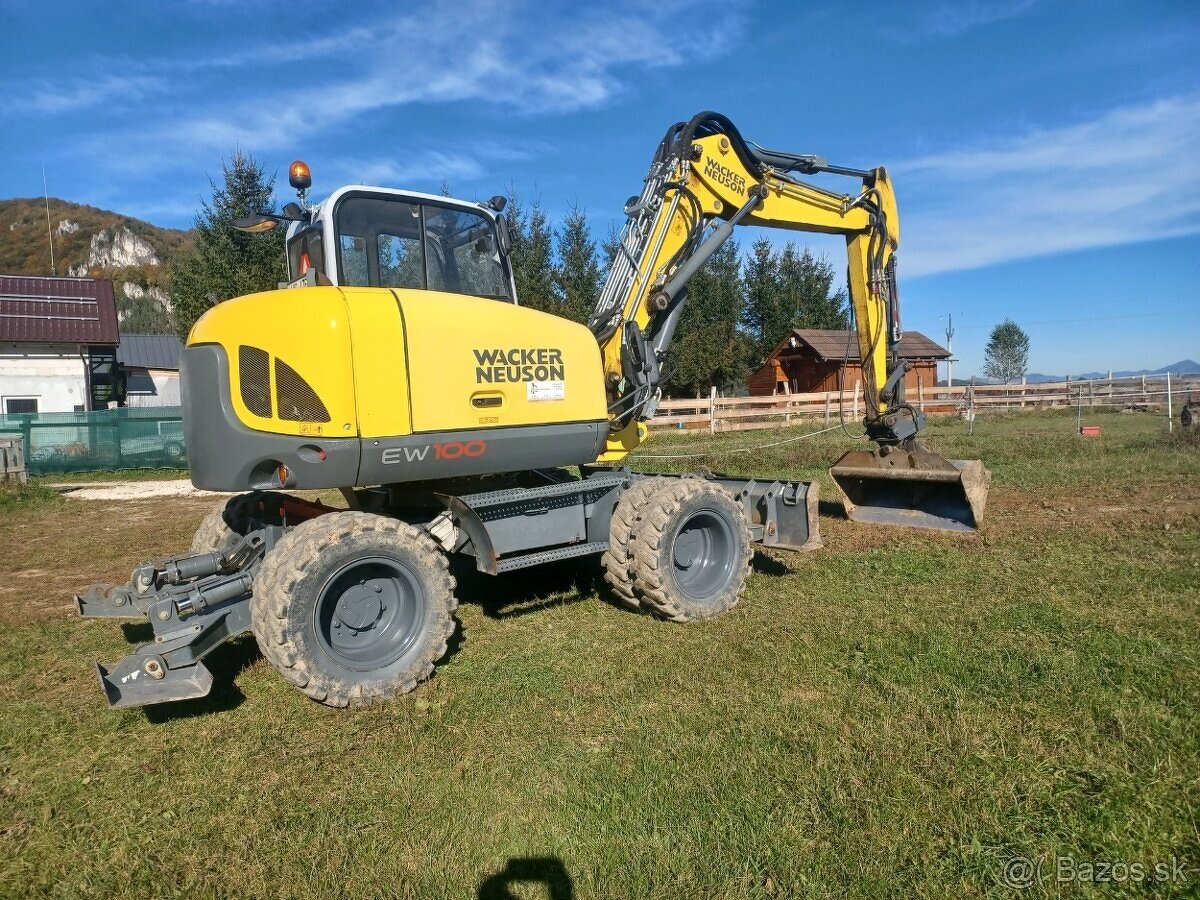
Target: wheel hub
702	553
688	548
361	606
369	613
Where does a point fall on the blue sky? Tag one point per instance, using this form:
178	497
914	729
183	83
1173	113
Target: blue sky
1046	153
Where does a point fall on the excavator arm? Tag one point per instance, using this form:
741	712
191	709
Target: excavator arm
704	181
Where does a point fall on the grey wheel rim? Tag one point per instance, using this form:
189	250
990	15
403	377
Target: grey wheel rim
702	555
369	613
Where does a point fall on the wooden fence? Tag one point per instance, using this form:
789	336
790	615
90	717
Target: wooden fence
713	413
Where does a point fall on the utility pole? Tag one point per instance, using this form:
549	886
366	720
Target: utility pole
950	347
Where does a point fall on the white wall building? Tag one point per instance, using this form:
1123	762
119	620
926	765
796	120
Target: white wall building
149	366
58	339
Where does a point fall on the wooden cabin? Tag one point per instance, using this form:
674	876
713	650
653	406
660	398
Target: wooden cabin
809	361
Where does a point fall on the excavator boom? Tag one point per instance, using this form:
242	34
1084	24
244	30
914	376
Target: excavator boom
704	181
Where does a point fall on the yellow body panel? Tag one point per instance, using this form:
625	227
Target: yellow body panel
380	362
621	443
310	331
394	362
476	363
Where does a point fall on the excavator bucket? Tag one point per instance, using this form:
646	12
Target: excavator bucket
916	488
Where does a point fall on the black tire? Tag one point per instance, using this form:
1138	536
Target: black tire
233	518
617	557
354	608
691	551
173	450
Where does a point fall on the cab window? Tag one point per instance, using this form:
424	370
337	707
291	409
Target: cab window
385	242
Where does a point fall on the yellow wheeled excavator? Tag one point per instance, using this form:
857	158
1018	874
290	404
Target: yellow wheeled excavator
398	367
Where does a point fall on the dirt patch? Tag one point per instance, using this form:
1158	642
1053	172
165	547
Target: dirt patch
136	490
48	554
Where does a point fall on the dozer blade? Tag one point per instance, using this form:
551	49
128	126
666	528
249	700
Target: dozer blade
915	488
140	681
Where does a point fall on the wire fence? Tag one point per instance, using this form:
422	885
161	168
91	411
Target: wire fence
102	440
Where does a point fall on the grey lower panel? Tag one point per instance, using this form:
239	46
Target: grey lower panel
479	451
225	455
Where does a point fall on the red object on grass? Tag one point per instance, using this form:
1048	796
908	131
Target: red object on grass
1090	430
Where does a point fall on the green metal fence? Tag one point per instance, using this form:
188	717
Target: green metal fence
106	440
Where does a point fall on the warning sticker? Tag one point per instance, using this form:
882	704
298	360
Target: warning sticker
544	390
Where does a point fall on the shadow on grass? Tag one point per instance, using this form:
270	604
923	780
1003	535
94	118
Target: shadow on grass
542	871
137	632
766	565
531	590
832	508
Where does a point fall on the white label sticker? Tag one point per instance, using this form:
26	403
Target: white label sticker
544	390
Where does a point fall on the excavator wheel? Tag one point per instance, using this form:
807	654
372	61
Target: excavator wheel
354	608
691	551
617	557
230	519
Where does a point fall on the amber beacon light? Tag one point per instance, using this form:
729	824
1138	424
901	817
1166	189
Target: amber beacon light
299	175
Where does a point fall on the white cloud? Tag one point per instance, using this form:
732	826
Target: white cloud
391	172
515	56
952	19
49	98
1127	176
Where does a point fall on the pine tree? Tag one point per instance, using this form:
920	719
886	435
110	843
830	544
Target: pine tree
225	262
610	248
1006	357
577	274
766	316
806	282
709	349
532	255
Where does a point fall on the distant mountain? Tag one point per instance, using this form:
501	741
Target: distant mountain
1183	367
97	243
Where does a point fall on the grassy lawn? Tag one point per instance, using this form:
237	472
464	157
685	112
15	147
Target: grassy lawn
899	713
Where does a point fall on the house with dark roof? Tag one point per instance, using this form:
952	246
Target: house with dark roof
149	366
811	360
58	340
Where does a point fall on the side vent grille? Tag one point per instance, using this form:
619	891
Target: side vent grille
294	398
254	372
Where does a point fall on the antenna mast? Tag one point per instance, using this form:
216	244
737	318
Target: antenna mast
950	347
49	232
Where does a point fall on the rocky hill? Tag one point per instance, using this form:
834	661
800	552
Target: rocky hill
98	243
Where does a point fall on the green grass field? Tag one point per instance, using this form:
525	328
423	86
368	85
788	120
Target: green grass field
898	714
